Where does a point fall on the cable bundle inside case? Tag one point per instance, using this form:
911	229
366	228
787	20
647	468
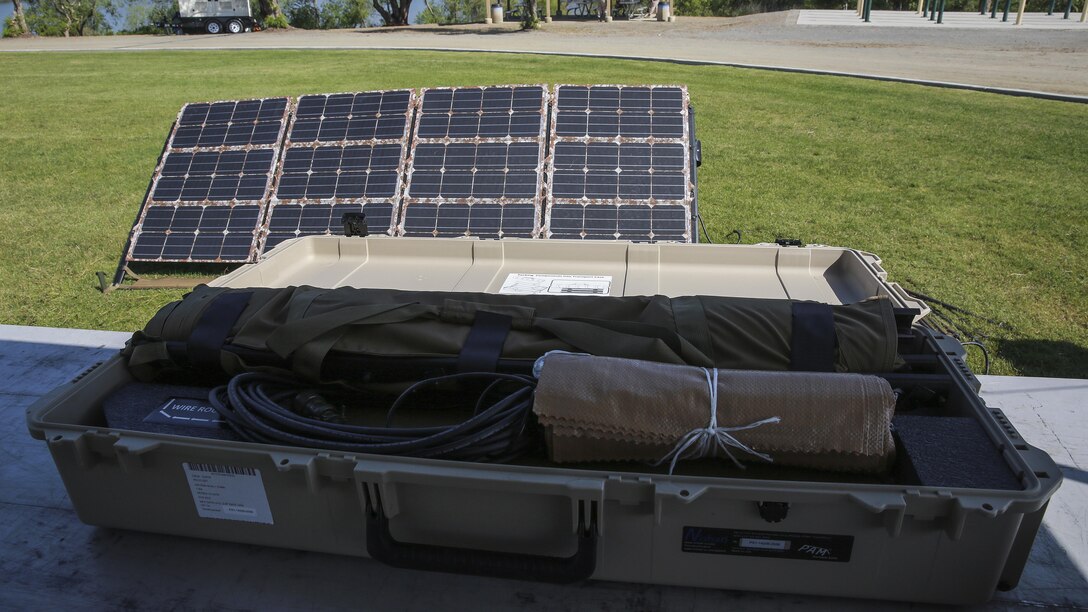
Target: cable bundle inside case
272	410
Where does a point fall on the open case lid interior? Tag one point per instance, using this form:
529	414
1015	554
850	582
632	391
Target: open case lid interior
832	275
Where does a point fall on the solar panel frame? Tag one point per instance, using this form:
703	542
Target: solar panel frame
534	134
175	148
338	205
556	139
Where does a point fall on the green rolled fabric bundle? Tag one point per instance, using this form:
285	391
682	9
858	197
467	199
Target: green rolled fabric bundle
309	331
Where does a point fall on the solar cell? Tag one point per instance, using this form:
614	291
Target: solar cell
345	153
476	167
620	165
210	189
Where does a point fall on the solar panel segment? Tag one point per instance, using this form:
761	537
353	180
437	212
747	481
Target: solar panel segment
352	117
209	192
476	167
345	153
230	124
620	167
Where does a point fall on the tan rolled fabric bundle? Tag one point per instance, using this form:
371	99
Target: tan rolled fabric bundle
609	409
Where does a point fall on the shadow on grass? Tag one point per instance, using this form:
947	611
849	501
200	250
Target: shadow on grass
1053	358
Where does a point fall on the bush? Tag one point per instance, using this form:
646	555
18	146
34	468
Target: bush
447	12
302	14
276	22
11	28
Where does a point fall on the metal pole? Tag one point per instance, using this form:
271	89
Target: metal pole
1008	5
1084	13
1020	13
933	10
1050	10
940	17
982	7
1068	7
993	9
869	9
928	8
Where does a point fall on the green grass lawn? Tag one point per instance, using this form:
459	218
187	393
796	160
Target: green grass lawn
977	199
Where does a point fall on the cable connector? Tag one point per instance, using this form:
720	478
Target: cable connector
312	405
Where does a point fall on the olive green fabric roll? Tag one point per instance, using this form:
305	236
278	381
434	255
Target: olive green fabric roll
302	326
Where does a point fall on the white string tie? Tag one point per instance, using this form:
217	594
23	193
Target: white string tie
705	441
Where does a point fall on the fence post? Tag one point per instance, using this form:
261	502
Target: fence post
1020	13
1068	7
1008	4
487	11
940	17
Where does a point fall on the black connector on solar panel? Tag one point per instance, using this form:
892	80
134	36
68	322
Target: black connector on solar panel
354	224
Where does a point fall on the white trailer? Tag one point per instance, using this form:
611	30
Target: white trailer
214	16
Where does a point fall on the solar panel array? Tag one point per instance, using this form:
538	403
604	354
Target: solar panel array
621	165
236	178
345	152
208	194
477	163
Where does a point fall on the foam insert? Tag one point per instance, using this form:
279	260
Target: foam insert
166	409
950	452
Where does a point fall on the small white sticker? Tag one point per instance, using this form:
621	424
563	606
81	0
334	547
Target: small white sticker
228	492
556	284
765	544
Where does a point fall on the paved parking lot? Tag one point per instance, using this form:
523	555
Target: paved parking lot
1005	57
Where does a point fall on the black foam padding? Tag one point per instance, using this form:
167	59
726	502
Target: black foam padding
165	409
950	452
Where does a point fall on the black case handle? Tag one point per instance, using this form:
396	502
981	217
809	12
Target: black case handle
382	547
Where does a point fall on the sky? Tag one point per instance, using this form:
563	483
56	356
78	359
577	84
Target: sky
6	9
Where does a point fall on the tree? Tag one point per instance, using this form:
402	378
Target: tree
337	14
393	12
68	17
452	11
271	14
302	14
20	17
146	16
529	19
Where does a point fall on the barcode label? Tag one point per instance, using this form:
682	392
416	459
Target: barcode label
228	492
517	283
221	469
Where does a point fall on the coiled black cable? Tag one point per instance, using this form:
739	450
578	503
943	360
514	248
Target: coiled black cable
255	405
